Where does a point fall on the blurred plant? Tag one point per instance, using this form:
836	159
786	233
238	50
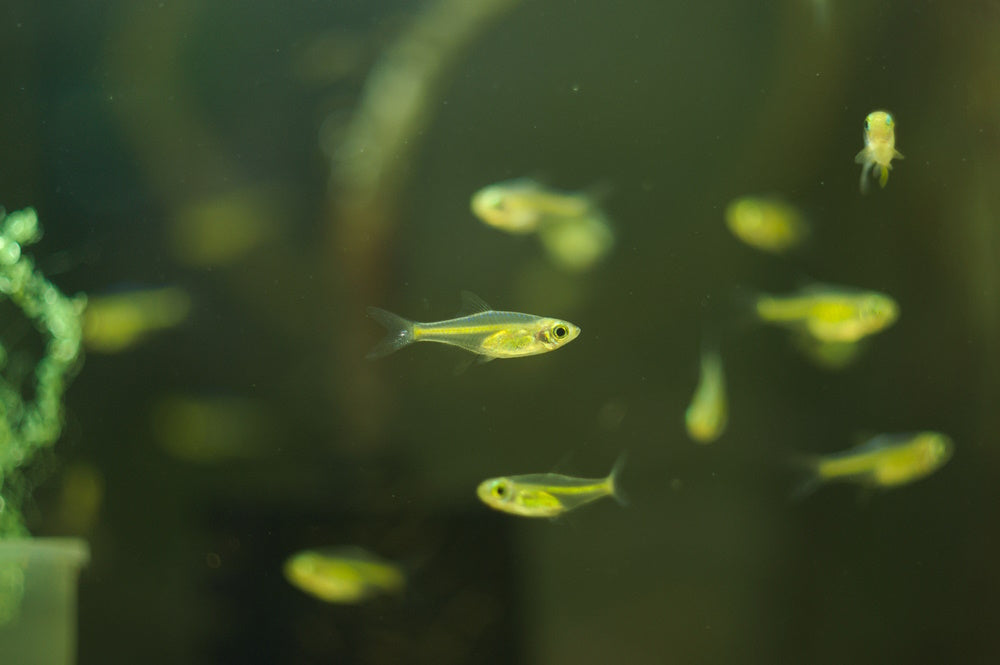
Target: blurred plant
30	419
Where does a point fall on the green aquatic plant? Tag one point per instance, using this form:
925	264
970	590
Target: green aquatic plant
31	415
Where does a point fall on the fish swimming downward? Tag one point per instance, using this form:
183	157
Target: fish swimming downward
479	329
880	148
548	494
708	413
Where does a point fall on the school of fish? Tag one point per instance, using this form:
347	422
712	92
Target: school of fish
829	324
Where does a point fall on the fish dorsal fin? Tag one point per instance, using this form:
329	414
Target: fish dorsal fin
472	304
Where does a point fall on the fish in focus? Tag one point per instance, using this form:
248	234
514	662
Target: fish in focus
830	314
707	415
766	224
116	322
343	575
522	205
548	494
479	329
886	460
573	230
880	147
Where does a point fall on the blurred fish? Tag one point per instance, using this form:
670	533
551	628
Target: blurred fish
886	460
479	329
79	500
548	494
829	355
522	205
766	224
114	323
224	228
577	244
345	575
573	230
708	413
830	314
880	147
213	429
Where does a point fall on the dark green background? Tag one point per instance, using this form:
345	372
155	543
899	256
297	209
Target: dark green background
673	109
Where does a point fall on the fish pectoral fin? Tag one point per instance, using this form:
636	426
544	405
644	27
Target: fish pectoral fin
861	157
484	359
472	304
897	154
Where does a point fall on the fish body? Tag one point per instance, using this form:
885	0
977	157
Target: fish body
548	494
708	413
523	205
342	575
574	231
766	224
886	460
488	333
116	322
830	314
880	147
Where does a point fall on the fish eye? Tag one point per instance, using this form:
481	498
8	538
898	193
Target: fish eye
560	331
888	119
867	127
500	490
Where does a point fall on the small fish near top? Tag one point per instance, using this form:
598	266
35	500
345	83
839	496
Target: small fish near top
708	413
886	460
479	329
767	224
548	494
880	148
830	314
344	575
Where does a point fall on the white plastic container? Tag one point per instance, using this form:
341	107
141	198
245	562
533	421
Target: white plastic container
40	626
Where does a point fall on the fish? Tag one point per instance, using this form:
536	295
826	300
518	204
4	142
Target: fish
343	575
767	224
117	322
883	461
523	205
880	147
548	494
573	230
830	313
478	328
708	413
579	243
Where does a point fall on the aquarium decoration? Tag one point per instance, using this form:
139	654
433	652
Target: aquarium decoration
30	416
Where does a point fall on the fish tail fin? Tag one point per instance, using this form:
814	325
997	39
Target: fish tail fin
864	176
809	480
613	480
883	176
400	333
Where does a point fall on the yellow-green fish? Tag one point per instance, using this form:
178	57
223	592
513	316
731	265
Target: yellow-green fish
343	575
486	332
522	205
886	460
766	224
548	494
880	147
830	314
114	323
829	355
707	415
